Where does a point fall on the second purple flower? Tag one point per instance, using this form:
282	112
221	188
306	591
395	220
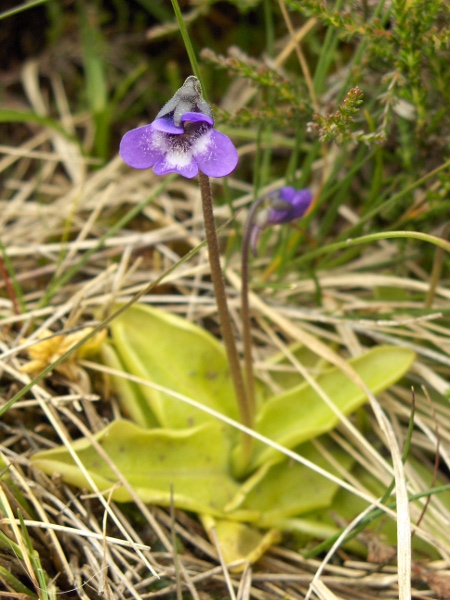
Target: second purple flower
284	206
181	139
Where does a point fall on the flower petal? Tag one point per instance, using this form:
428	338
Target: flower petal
299	200
215	154
197	117
286	193
280	216
139	148
176	162
166	125
302	202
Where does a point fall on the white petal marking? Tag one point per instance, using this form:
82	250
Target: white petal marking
203	144
177	159
157	141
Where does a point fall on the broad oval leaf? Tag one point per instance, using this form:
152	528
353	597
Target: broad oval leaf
239	542
193	462
285	489
133	402
168	350
300	414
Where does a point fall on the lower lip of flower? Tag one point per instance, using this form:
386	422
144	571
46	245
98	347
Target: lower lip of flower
185	142
178	158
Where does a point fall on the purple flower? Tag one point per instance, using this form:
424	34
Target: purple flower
181	139
285	205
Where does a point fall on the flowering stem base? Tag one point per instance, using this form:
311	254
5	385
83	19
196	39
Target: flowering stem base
285	205
245	307
222	306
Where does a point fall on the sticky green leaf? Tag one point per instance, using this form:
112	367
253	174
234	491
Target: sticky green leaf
176	354
193	454
195	462
284	374
286	489
131	397
300	414
238	541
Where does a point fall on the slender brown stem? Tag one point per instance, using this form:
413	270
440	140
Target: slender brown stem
245	308
222	305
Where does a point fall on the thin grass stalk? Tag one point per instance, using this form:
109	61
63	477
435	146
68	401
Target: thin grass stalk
187	40
10	287
23	7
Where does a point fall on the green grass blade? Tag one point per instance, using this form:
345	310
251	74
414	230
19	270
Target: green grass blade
21	8
187	42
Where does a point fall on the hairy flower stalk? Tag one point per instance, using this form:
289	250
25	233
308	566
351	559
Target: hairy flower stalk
222	304
182	139
284	205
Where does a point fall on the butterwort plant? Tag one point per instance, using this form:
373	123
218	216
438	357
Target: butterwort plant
173	449
182	139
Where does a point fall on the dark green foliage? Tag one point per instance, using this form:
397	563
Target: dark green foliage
337	126
288	95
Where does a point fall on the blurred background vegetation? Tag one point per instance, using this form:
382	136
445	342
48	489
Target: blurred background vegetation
119	61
